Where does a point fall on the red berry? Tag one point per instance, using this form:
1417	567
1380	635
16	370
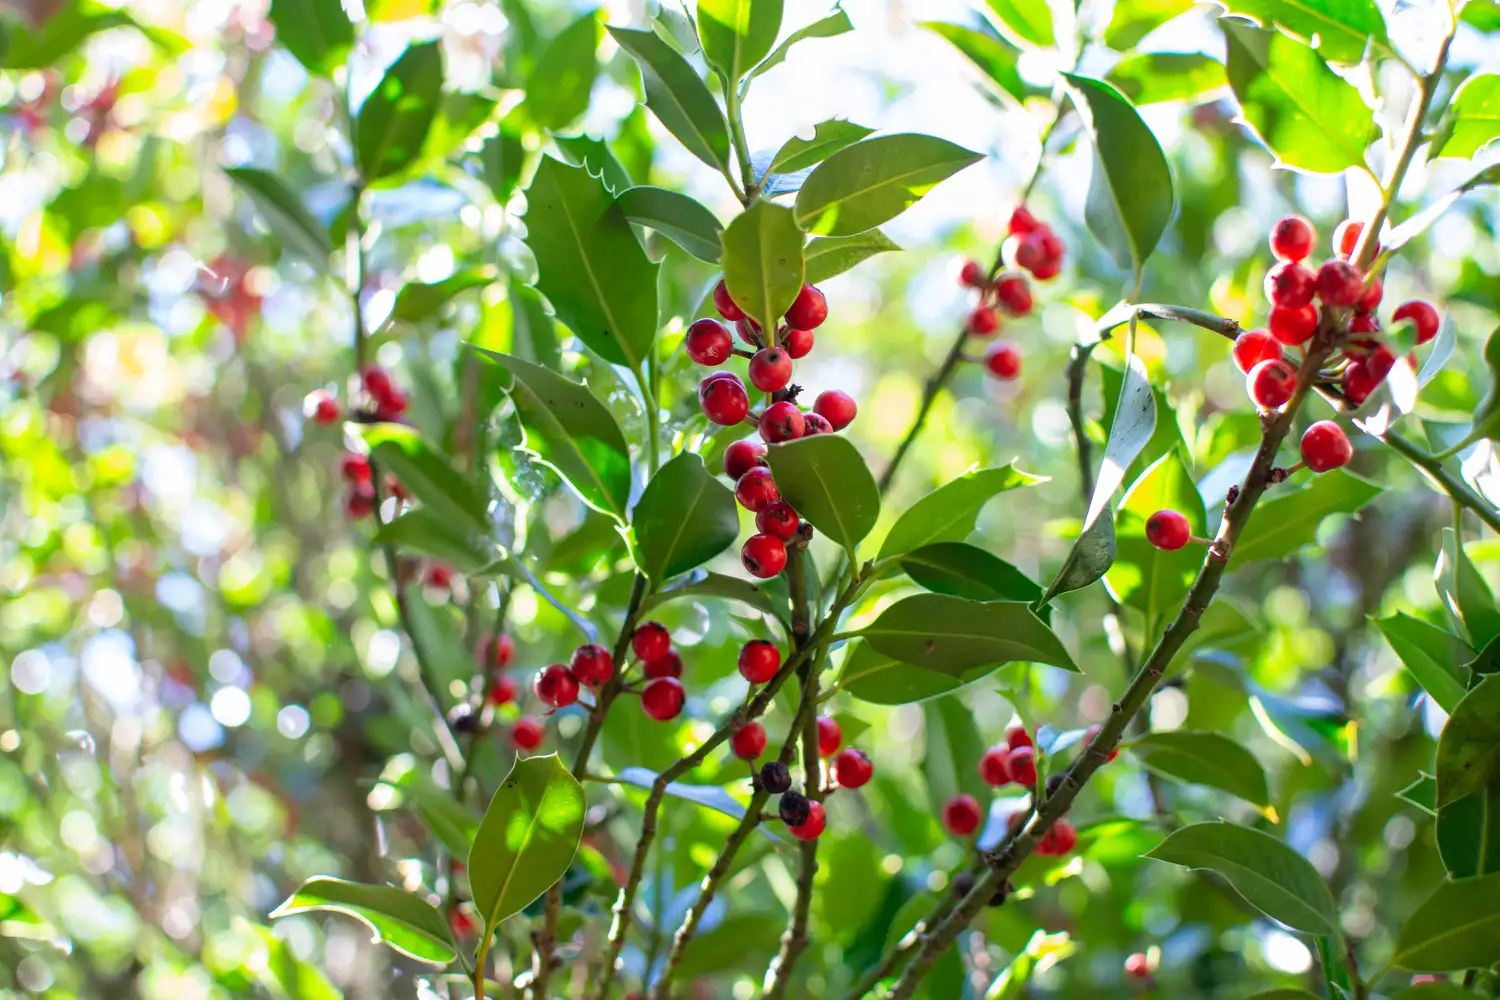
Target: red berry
781	422
1017	736
742	456
1014	293
527	733
749	332
852	768
1022	221
377	382
1271	384
1346	237
972	274
503	691
778	519
1047	269
708	342
1370	295
763	556
323	408
1052	245
360	502
1136	967
1379	362
983	321
1254	346
592	664
1060	840
724	400
759	660
838	408
749	742
829	735
994	766
815	423
1293	238
650	640
1293	326
798	343
555	686
1422	315
1364	323
808	311
1023	766
1359	382
770	369
663	698
757	490
1003	361
355	468
725	304
396	489
1339	284
392	406
1030	252
460	923
1325	446
1169	530
961	815
1289	284
817	819
440	575
668	664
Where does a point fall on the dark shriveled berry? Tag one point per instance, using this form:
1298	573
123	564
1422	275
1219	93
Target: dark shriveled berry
1053	784
794	808
775	777
462	718
963	884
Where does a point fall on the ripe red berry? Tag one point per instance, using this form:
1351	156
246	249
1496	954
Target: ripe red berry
360	501
1422	315
817	820
829	735
377	382
503	691
1254	346
1289	284
1047	269
961	815
778	519
756	490
1014	294
725	304
592	665
770	369
781	422
1003	361
663	698
815	423
852	768
527	733
763	556
1022	221
1293	326
1017	736
440	575
742	456
1379	362
1023	766
1052	245
972	274
1271	384
759	660
398	491
1364	324
460	923
983	321
749	332
798	343
724	400
808	310
1370	295
1136	967
1325	446
838	408
668	664
749	742
1339	284
1293	238
1346	237
1060	840
650	640
1359	382
323	408
994	766
355	468
497	650
708	342
556	686
1030	252
1169	530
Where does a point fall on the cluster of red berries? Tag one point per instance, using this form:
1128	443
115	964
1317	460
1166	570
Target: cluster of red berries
382	399
359	501
558	685
726	402
1032	246
1349	300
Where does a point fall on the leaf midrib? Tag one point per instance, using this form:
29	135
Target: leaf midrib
1382	42
681	526
397	115
1356	156
885	182
616	331
493	917
1225	862
670	93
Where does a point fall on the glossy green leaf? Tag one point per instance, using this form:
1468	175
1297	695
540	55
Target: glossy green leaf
684	518
528	837
1465	594
1457	927
828	138
678	96
1204	758
1133	427
595	154
285	214
317	32
1298	108
557	92
713	585
835	23
1131	198
501	159
1468	756
871	182
1487	413
825	479
1272	877
763	264
950	512
995	57
1433	656
1153	580
872	676
737	34
1091	556
1468	833
392	124
1289	520
275	965
398	919
1153	77
952	747
829	256
1133	20
964	570
1340	29
953	636
1021	21
419	301
590	265
428	475
433	533
1164	438
572	433
677	217
452	822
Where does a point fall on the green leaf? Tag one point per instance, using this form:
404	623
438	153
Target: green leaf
1468	755
1465	594
953	636
1433	656
994	56
400	920
678	97
1147	578
677	217
285	214
950	512
419	301
1130	199
1165	437
595	154
825	479
392	123
870	675
317	32
64	32
590	264
1202	758
1487	413
828	138
871	182
1091	556
1341	29
1457	927
763	261
1022	21
431	533
557	91
828	256
1153	77
1298	108
707	585
1433	991
684	518
450	821
572	433
951	748
429	475
963	570
1133	20
737	34
1468	833
1282	525
1484	15
1133	427
528	837
835	23
1270	875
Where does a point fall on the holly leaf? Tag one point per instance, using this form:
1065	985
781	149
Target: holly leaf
953	636
285	214
1282	525
1472	121
418	301
1203	758
1433	656
684	518
1457	927
964	570
558	88
678	96
1154	77
829	256
1340	29
317	32
1468	833
1133	20
401	921
950	512
677	217
866	184
835	23
392	124
737	34
872	676
828	138
1021	21
430	476
825	479
951	744
763	264
996	58
1465	594
1468	755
